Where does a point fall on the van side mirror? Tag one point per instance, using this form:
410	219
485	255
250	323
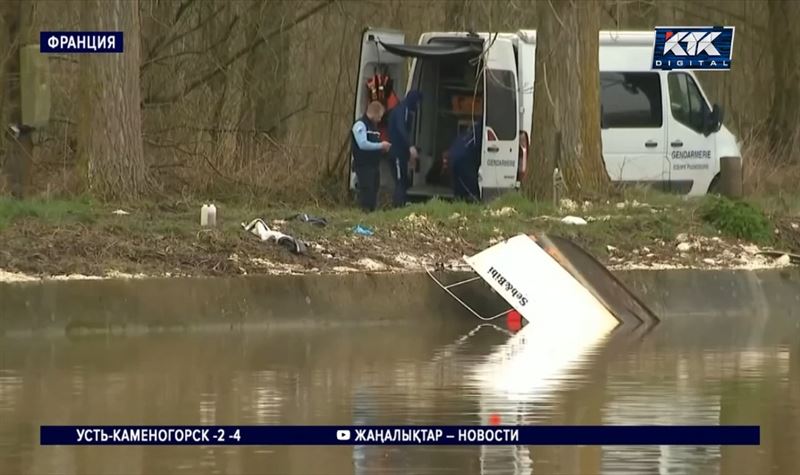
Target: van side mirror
714	119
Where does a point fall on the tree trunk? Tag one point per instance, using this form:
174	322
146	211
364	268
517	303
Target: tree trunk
110	127
268	67
16	17
584	170
566	127
786	69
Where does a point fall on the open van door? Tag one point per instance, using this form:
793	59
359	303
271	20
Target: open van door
500	151
376	59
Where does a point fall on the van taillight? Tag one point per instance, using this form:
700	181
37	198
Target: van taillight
522	162
490	136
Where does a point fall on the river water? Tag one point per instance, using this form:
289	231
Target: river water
689	370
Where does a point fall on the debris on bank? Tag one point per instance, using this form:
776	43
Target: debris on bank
628	237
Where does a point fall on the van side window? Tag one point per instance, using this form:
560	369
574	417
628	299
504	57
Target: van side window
630	100
501	103
686	103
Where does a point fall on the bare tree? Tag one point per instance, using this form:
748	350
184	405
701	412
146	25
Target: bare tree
566	100
110	122
16	16
456	14
786	65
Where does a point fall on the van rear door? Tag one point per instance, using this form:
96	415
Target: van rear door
500	152
374	58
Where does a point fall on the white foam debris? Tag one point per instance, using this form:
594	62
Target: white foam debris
606	217
113	274
750	249
783	261
16	277
647	266
120	212
345	270
75	277
574	220
408	261
684	247
371	264
504	211
416	219
457	265
568	205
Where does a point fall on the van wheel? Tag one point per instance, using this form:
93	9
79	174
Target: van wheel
714	187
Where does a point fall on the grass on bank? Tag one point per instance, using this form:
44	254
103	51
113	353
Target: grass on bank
638	218
51	211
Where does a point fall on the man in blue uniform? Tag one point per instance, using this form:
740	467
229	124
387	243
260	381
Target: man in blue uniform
464	159
367	150
402	152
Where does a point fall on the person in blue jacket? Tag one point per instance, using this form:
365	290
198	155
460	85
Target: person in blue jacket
402	152
367	147
464	160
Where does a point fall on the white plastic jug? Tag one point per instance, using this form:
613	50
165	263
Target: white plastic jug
204	215
212	215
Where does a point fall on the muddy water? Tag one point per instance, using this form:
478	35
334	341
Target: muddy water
703	371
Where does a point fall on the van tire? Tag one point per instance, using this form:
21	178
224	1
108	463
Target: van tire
714	187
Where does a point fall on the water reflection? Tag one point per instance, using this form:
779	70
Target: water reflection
403	375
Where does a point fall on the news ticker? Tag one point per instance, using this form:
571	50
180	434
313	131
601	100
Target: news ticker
81	42
400	435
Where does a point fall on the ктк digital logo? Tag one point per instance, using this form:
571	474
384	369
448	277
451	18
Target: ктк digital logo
707	48
343	435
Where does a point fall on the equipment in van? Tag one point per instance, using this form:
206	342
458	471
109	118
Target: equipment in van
380	88
658	127
551	281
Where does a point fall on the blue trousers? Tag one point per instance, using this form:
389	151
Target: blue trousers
369	181
465	181
399	167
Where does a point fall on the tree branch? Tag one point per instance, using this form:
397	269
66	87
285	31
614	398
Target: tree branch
161	41
167	43
291	114
209	75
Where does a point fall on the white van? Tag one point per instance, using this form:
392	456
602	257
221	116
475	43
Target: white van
658	127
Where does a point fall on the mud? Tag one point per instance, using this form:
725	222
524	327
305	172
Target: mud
33	249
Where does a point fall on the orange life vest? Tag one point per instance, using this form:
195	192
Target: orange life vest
380	87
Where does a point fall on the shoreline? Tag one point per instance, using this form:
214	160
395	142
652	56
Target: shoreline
369	266
71	240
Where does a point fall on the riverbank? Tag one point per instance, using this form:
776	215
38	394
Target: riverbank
81	239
